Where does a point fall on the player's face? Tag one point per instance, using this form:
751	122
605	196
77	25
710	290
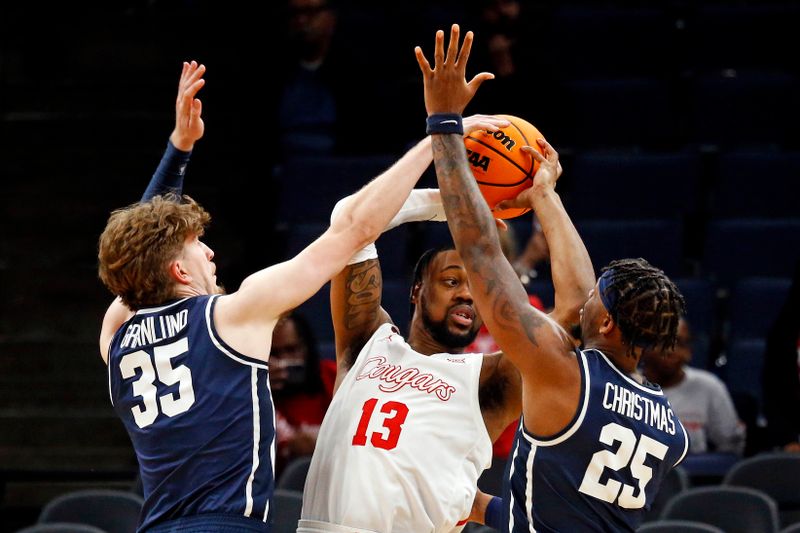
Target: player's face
446	302
197	260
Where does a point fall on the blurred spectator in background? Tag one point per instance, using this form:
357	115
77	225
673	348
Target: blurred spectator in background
307	108
699	398
533	262
301	387
781	379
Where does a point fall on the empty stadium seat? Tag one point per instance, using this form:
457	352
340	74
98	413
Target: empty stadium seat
742	373
754	306
700	297
294	475
633	185
775	474
678	526
738	248
676	481
110	510
732	509
658	241
734	195
285	510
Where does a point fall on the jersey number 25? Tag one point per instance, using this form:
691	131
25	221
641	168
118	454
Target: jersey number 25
630	454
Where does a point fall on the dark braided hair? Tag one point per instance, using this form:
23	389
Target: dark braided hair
648	305
421	268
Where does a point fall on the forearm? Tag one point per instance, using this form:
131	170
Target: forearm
169	174
571	267
469	218
376	204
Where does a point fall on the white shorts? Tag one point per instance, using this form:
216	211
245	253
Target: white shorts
312	526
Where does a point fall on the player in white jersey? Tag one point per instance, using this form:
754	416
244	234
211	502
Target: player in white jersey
411	423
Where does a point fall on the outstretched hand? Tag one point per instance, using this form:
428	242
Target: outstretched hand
446	87
545	178
189	125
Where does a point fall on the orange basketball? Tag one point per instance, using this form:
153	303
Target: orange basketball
499	165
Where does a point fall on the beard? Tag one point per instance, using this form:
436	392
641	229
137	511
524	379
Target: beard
444	336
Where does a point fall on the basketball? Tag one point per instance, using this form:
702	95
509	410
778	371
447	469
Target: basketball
499	165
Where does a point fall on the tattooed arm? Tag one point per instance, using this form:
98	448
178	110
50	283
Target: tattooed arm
536	344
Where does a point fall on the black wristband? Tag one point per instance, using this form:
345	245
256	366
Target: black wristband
444	123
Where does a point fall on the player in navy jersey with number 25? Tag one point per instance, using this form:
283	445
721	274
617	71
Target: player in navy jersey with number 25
187	365
595	440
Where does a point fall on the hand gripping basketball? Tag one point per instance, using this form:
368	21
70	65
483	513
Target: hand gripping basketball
446	88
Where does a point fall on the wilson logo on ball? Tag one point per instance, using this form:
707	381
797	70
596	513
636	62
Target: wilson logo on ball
504	140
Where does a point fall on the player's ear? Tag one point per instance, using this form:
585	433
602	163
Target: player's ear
607	324
415	292
178	273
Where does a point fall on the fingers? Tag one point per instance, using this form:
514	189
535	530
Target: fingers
438	54
422	61
534	153
501	224
463	56
510	204
452	48
197	107
191	91
548	150
478	79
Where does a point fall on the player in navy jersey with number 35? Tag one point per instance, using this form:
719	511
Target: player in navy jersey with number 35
188	370
595	440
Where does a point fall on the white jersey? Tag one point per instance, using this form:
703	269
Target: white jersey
402	444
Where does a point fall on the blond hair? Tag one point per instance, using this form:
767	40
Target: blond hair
140	241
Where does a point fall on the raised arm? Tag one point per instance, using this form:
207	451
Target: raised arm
356	290
168	176
189	128
536	344
573	275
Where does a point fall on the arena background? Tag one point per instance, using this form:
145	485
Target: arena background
676	121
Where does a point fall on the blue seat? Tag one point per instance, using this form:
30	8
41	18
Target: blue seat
294	475
732	509
110	510
742	372
632	185
317	310
716	30
658	241
395	300
738	108
285	510
61	527
676	481
775	474
609	113
738	248
590	35
755	304
678	526
734	195
311	186
700	297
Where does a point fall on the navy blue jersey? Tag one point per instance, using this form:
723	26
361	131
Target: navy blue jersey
603	470
200	415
